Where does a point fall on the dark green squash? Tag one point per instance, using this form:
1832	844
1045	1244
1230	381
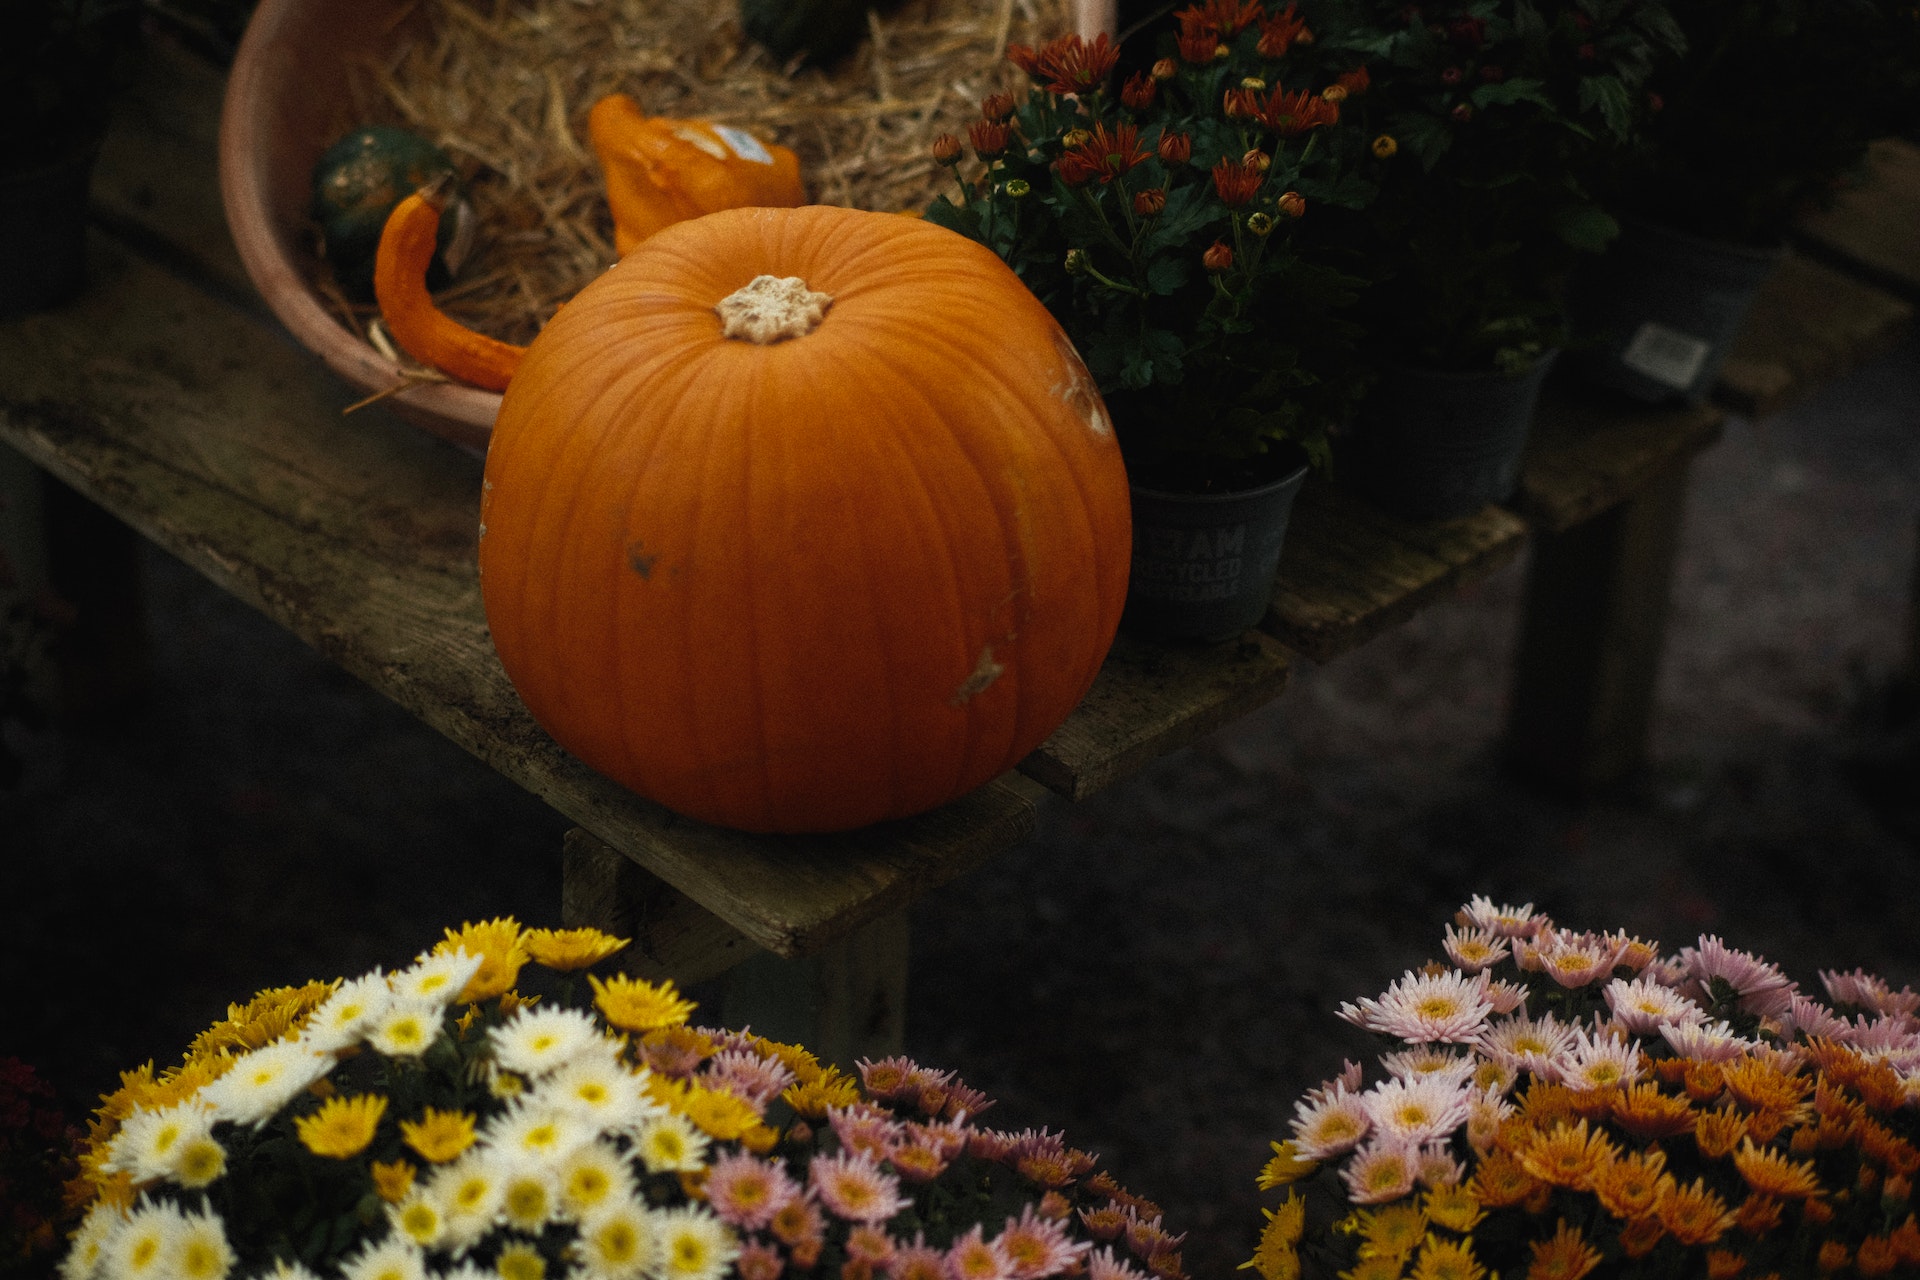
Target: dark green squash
356	185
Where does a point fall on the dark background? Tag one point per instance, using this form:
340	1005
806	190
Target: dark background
1156	971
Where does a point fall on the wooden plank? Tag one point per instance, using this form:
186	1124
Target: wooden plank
1587	454
205	430
1874	227
1592	628
1349	571
673	936
1810	324
1151	698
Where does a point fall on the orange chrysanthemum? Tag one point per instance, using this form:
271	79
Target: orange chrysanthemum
1639	1236
1695	1214
1545	1105
1633	1186
1770	1173
1833	1257
391	1179
1104	156
1876	1256
1717	1133
1757	1215
1906	1241
1724	1264
1761	1086
1565	1256
1501	1181
1568	1155
1649	1115
1703	1081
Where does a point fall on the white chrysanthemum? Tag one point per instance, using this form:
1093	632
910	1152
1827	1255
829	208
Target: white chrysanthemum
263	1081
406	1028
435	978
1705	1041
89	1248
418	1218
467	1270
529	1196
594	1176
600	1089
1331	1122
529	1130
287	1269
343	1018
694	1244
1644	1005
668	1143
1425	1060
1601	1062
1475	949
144	1244
620	1242
535	1042
467	1193
200	1248
1423	1008
1417	1111
151	1140
1534	1045
389	1258
1508	922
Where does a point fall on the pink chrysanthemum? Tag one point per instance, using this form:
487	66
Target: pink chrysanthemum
1038	1246
971	1257
1438	1168
747	1191
1331	1124
991	1144
1576	959
1383	1170
759	1078
1416	1111
1635	953
1486	1112
1807	1016
1422	1008
1642	1006
1103	1264
1507	997
1601	1062
866	1129
918	1163
1870	992
1705	1041
1425	1060
1508	922
1534	1045
962	1103
1475	949
759	1261
1890	1040
1761	987
918	1261
948	1137
867	1243
852	1186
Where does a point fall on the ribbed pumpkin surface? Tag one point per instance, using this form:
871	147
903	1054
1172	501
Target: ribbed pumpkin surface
815	584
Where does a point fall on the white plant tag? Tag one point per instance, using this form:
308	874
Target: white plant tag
1669	357
744	144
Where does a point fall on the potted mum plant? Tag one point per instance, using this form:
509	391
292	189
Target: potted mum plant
1166	222
1562	1103
62	64
1770	109
1491	126
436	1120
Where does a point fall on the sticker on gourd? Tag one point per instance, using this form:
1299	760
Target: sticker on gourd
1078	392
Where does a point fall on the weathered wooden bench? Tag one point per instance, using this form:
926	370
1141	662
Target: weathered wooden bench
168	397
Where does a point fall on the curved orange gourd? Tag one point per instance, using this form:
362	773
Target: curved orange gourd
815	582
423	331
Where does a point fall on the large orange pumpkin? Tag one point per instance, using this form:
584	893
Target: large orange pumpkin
842	566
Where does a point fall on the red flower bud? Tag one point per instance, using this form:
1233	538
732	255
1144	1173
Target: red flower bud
1175	148
1139	91
1150	202
1587	52
1257	159
1218	258
988	138
1492	74
997	107
1461	113
1292	204
1451	76
946	149
1165	69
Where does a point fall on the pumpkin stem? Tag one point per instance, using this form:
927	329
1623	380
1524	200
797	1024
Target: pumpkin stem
769	309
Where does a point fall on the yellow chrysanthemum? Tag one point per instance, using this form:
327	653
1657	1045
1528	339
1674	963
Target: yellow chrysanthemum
634	1004
718	1113
1447	1260
568	949
813	1100
1374	1269
392	1180
342	1127
1565	1256
438	1136
1393	1232
1277	1256
1287	1166
805	1065
1453	1207
502	950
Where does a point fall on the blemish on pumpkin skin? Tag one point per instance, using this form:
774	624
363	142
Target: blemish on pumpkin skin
985	672
639	561
1078	391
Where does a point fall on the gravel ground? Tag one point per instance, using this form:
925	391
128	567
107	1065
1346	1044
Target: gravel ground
1156	972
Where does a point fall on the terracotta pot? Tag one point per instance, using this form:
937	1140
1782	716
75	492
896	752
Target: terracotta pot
287	99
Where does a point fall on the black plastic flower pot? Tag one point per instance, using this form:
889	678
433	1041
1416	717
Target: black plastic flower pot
1430	444
43	233
1658	312
1204	563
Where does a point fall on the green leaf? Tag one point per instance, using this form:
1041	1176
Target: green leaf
1586	227
1166	275
1609	95
1508	92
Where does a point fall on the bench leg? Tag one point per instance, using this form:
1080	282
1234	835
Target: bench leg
844	1002
1592	627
